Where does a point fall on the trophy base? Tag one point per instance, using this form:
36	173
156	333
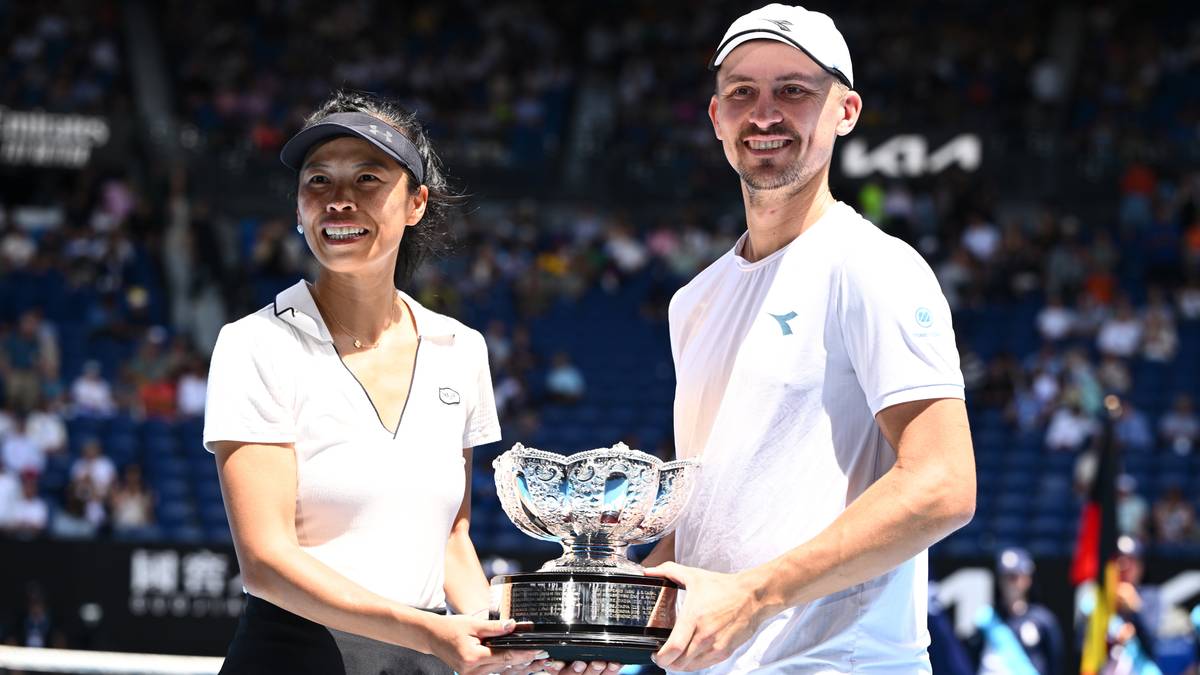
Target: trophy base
585	616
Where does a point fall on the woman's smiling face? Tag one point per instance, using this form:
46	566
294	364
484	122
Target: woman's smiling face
354	203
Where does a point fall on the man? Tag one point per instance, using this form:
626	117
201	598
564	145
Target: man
819	383
1017	636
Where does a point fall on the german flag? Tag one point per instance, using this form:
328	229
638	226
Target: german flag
1096	549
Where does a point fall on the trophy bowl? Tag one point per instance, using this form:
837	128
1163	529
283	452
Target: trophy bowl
593	602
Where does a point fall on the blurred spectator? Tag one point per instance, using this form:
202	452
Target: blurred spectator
1161	339
47	429
91	395
1070	429
70	520
510	393
192	388
94	467
1132	430
10	494
955	276
17	247
1056	322
1001	381
1188	300
30	514
498	344
1016	633
149	373
132	503
20	450
1114	375
35	627
1139	606
1180	428
1133	514
626	250
1084	385
1121	334
1174	518
21	364
981	238
564	382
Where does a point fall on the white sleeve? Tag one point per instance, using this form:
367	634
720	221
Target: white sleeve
251	391
897	327
482	425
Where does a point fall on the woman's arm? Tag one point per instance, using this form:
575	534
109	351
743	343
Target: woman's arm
258	482
466	587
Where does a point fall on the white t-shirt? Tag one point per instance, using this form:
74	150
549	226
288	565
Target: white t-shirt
101	471
781	367
10	494
21	453
374	507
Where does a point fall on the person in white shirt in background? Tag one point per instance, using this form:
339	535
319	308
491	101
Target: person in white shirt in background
29	515
1121	334
91	394
46	427
192	389
1056	321
818	382
10	492
95	467
20	450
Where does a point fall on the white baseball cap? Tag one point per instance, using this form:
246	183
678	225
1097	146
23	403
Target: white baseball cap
811	32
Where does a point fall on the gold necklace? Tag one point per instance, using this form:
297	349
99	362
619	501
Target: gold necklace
358	343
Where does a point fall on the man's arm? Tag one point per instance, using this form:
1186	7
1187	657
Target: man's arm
926	495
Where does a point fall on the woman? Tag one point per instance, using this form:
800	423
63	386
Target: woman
342	417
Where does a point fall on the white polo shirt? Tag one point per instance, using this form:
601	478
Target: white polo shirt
782	365
373	505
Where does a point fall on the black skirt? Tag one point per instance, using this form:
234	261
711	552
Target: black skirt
272	640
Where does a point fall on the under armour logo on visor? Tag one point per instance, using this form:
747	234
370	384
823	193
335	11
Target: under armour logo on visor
783	320
386	134
784	25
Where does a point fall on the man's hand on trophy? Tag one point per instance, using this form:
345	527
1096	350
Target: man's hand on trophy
719	613
458	642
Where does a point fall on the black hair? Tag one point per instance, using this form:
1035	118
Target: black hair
431	236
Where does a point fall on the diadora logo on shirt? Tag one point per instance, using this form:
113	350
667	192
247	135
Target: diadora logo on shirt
783	320
449	396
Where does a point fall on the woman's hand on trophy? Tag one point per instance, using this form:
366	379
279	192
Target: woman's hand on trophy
593	668
458	642
720	612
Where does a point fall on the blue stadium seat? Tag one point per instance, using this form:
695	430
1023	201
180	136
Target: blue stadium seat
175	512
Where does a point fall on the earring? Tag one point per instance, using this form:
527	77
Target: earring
299	228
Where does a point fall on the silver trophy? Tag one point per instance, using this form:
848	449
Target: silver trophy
593	602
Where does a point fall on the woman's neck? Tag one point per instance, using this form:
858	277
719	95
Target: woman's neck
358	306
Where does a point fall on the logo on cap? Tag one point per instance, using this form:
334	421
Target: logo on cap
784	25
386	134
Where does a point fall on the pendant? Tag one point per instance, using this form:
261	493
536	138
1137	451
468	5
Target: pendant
357	344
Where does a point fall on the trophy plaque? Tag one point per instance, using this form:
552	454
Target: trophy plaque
593	603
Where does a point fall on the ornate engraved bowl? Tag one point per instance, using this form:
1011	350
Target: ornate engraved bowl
595	503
